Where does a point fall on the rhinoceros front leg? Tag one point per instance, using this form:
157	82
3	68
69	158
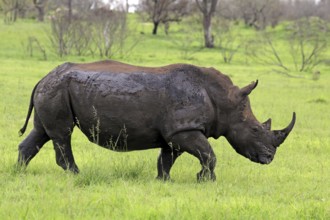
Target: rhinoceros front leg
195	143
64	155
166	160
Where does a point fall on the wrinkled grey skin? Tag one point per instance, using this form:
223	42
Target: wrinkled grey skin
124	108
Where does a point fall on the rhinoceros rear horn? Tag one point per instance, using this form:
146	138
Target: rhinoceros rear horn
280	135
245	91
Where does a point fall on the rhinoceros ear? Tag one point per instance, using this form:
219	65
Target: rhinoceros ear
267	124
245	91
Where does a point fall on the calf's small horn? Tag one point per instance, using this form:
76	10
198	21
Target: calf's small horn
280	135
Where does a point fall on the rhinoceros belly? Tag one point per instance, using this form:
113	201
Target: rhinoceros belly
133	111
117	112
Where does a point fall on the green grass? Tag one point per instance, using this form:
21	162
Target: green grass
122	185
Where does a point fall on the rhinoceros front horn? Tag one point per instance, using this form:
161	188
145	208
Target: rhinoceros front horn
280	135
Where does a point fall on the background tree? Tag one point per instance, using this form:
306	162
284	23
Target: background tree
69	10
324	9
305	43
98	28
308	40
207	7
163	11
260	13
228	40
254	13
109	28
12	9
40	5
295	10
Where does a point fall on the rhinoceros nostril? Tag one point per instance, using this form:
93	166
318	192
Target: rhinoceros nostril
269	158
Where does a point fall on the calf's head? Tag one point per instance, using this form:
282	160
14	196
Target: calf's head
250	138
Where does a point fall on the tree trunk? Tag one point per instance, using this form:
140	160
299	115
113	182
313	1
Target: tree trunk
41	13
15	11
127	6
154	31
207	7
69	10
40	6
208	38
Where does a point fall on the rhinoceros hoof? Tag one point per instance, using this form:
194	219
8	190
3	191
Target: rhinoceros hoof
164	178
206	176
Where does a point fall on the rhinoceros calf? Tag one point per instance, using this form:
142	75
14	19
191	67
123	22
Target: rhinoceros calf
124	108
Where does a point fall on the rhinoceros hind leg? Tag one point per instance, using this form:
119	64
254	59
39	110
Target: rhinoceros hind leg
165	162
64	155
31	145
195	143
58	121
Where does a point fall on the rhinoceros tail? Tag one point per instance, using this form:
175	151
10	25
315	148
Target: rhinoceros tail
22	130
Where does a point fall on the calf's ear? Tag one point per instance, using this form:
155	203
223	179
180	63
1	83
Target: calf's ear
245	91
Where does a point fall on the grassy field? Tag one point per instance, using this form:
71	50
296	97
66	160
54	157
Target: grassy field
122	185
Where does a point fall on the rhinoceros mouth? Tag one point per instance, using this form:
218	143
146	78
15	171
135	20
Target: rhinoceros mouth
262	159
265	160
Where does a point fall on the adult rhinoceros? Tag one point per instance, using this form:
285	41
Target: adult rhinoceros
124	108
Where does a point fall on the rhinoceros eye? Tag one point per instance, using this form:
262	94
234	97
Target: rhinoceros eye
255	129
